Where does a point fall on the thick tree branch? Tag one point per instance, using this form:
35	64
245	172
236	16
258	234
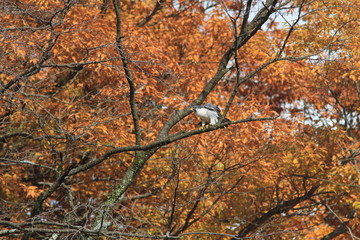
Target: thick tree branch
245	18
159	143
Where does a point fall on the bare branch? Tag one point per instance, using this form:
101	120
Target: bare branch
36	68
27	162
128	74
158	7
279	208
342	223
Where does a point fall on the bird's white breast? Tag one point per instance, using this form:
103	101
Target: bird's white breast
207	115
203	114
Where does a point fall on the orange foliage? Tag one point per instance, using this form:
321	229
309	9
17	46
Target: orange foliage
68	125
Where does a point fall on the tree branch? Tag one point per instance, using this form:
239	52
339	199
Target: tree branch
128	74
158	7
36	68
37	209
159	143
245	18
279	208
343	223
338	231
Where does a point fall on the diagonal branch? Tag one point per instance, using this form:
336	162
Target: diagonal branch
46	54
246	17
292	28
44	195
37	209
343	223
279	208
338	231
158	7
249	30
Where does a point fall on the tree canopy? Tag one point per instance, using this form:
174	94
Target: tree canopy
98	140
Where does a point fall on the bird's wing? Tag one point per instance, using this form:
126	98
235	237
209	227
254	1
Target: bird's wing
212	107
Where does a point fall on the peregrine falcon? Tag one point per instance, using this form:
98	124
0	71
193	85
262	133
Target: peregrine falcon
208	113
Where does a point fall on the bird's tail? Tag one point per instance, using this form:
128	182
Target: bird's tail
225	120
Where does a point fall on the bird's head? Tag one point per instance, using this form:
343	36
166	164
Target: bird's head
194	107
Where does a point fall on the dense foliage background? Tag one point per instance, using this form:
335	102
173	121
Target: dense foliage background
97	138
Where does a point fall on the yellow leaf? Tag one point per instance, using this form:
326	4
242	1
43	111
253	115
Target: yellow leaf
196	58
32	191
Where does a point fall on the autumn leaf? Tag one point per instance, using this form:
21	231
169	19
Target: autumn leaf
32	191
97	136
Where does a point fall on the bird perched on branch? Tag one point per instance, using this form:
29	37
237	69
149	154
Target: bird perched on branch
208	113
